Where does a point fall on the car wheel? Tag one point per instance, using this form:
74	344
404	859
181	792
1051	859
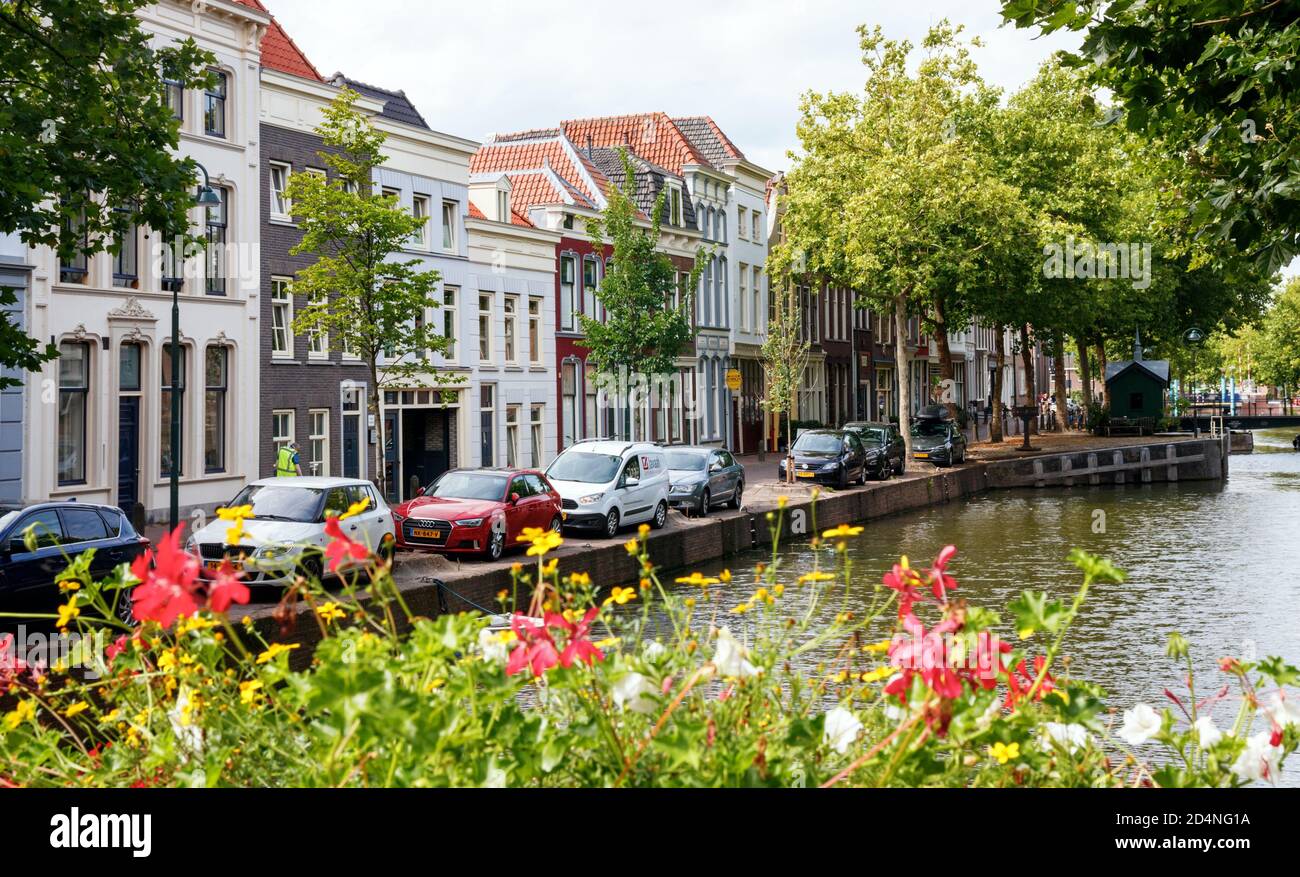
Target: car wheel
496	545
738	497
611	523
705	501
123	610
310	568
899	468
862	477
844	478
387	547
557	524
661	516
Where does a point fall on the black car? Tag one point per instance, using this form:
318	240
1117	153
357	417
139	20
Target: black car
938	441
828	456
884	445
59	532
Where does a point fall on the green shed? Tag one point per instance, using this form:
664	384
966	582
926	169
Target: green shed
1137	386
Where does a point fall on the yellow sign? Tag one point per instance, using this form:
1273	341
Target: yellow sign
733	380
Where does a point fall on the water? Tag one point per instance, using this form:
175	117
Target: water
1215	562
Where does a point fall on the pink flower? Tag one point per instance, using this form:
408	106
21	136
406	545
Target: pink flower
536	650
341	548
579	645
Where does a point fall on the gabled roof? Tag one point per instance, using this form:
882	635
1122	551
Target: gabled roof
544	168
649	180
1156	368
653	136
397	106
280	52
708	139
516	218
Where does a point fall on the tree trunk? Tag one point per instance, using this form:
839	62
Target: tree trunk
372	404
1101	371
996	426
1085	371
1027	360
904	378
945	359
1062	401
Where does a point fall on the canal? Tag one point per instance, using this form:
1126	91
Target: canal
1216	562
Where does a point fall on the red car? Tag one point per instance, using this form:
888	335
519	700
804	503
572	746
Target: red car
477	511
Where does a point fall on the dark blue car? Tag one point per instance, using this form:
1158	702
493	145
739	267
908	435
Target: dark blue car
59	532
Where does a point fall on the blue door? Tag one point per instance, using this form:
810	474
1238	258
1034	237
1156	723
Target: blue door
128	452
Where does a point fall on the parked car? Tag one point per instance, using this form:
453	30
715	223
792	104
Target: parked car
605	484
884	446
477	511
938	441
701	478
286	535
58	532
828	456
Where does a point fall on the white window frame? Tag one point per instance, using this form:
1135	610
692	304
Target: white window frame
744	296
318	343
450	302
510	326
279	199
450	220
282	285
420	207
537	434
485	326
323	437
512	434
760	313
742	222
282	437
534	331
503	205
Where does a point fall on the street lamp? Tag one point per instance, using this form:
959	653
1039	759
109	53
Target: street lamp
207	197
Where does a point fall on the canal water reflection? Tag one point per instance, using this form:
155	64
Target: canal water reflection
1215	562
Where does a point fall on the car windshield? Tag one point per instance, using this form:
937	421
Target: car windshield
937	428
871	435
281	502
584	466
686	461
468	485
819	443
9	518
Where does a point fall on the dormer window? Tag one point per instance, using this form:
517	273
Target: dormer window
674	205
503	206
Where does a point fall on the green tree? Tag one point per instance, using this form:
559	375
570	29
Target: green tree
85	130
647	320
366	300
785	358
1217	81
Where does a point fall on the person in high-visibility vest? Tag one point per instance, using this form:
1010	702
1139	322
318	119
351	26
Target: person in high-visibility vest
286	461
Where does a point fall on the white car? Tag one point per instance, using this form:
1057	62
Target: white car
605	484
286	534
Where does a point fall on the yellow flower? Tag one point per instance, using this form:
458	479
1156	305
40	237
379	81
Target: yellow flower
1004	753
843	531
67	612
645	584
69	585
877	648
778	590
551	567
643	530
330	612
741	609
275	650
816	492
696	579
689	602
580	578
725	576
607	642
236	533
356	508
110	717
782	501
248	691
235	513
25	710
542	541
79	706
620	596
878	674
196	622
632	546
817	576
840	677
434	685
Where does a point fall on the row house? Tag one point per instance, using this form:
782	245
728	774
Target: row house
15	278
557	186
106	400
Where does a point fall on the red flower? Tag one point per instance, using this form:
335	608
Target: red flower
169	581
580	645
341	548
117	648
905	581
1019	687
940	581
227	588
925	654
536	649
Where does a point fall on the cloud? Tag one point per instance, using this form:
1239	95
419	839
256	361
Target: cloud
495	65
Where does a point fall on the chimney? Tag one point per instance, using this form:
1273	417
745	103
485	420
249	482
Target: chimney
1137	346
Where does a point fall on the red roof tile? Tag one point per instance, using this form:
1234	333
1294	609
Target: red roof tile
513	152
516	218
653	136
280	52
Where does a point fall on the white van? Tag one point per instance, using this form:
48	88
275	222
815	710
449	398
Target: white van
605	484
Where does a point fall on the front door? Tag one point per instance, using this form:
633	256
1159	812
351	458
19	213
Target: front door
128	452
351	446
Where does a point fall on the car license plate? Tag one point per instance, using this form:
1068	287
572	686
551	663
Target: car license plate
216	564
804	474
423	533
921	456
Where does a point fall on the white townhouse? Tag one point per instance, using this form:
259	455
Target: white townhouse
102	431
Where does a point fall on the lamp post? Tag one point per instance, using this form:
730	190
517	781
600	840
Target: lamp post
207	197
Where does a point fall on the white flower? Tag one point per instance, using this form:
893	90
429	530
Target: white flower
1259	760
1207	733
1140	724
990	714
841	729
894	713
629	693
1284	712
496	777
730	656
1071	736
494	648
653	651
188	733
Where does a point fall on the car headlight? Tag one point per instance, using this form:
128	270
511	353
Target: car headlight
831	467
272	552
191	547
683	488
590	498
469	522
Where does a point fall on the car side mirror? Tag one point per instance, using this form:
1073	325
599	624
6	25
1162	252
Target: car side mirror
419	491
631	482
715	467
514	499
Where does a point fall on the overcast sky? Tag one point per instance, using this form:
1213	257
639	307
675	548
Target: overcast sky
482	66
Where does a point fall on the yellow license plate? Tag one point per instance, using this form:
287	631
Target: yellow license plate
804	474
421	533
216	564
921	456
